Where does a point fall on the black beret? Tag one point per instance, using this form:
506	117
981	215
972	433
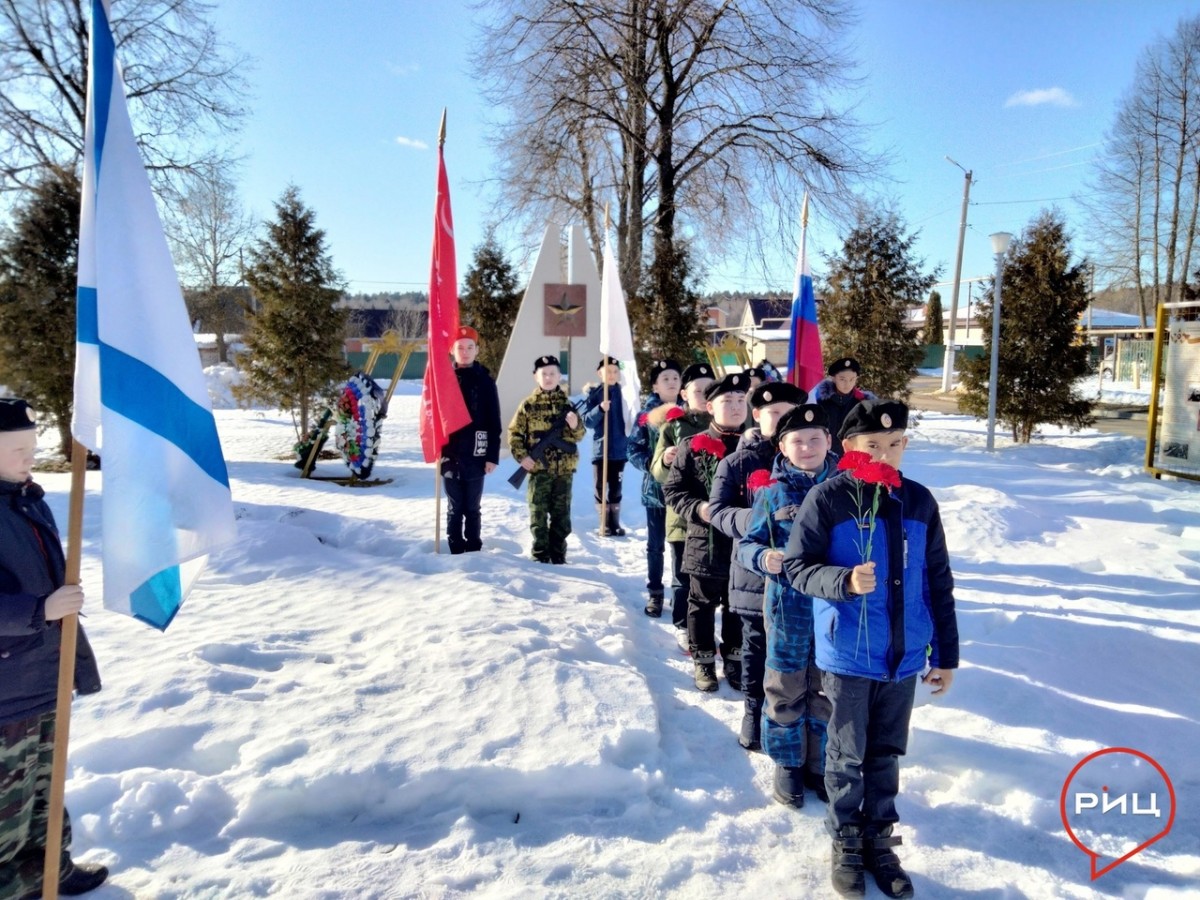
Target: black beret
841	365
808	415
776	392
874	416
543	361
736	381
16	415
664	365
607	361
696	370
756	372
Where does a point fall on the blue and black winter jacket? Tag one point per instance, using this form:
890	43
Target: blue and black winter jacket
909	618
593	418
641	446
775	509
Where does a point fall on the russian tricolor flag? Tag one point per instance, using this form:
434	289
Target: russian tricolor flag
140	395
805	366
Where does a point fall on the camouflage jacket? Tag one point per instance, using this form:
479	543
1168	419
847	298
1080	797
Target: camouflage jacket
535	417
673	434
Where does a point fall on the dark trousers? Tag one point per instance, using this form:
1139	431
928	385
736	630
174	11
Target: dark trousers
463	496
680	586
867	735
656	543
26	753
549	515
615	468
706	596
754	655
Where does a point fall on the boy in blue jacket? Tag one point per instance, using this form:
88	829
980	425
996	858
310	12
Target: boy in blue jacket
33	601
665	381
595	411
797	710
878	622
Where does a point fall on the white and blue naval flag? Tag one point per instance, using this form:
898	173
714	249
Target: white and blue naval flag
140	396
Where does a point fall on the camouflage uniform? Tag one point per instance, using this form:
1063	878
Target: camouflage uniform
26	753
549	490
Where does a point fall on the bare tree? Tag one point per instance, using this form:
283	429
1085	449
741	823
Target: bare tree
182	83
713	114
1145	205
209	230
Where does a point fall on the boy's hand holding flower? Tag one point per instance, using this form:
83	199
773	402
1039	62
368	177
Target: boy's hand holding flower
772	561
862	578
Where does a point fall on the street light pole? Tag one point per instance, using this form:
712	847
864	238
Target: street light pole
1000	241
948	355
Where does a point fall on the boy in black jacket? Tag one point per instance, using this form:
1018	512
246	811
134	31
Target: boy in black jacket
883	609
474	450
707	551
33	599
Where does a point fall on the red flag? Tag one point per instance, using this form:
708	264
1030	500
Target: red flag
442	407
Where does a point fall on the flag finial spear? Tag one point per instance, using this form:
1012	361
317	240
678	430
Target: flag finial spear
442	129
804	212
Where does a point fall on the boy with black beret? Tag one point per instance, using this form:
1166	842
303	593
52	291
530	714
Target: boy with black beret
796	710
707	551
729	505
676	426
878	623
838	393
549	488
33	600
665	384
610	444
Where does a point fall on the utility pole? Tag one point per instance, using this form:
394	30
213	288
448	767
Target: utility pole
948	358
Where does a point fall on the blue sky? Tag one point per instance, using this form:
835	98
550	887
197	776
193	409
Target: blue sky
347	98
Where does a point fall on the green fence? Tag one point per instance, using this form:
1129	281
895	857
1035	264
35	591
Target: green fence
935	355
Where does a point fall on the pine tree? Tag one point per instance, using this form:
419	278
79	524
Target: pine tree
37	299
933	319
1041	356
297	330
490	301
872	284
665	316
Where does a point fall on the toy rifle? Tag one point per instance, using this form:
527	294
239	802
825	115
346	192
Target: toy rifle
552	438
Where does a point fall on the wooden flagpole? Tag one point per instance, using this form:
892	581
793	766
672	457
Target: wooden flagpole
66	678
604	448
437	468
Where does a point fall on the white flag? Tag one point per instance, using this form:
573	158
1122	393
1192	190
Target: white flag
616	338
140	396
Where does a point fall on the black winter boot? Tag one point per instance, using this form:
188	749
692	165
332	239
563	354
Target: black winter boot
733	673
80	879
654	606
816	783
847	873
614	520
751	734
789	786
884	864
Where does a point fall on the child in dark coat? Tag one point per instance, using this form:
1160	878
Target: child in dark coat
730	508
796	709
883	611
609	444
474	450
838	393
33	600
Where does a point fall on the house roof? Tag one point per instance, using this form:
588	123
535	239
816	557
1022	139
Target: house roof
760	308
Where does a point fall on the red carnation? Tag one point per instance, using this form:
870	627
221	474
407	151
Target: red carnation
643	419
675	412
852	459
759	479
706	443
878	473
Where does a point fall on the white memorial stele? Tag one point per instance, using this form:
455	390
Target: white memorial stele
528	341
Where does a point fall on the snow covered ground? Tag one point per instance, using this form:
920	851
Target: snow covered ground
339	712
